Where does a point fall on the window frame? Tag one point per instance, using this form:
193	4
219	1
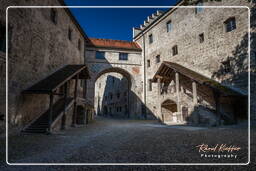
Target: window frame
201	38
79	44
169	26
175	50
150	39
199	8
123	58
230	24
148	63
100	52
158	59
2	39
54	16
70	34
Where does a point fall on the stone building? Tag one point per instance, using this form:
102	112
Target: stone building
186	65
104	56
198	59
45	45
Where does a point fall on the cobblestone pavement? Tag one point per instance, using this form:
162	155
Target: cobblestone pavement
134	141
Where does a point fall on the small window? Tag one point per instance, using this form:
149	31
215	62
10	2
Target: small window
150	38
201	37
69	34
230	24
2	39
149	85
100	55
79	44
111	96
118	95
169	26
226	65
174	50
148	63
113	80
54	15
125	94
158	59
199	7
123	56
99	85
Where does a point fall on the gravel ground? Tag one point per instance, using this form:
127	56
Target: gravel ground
122	141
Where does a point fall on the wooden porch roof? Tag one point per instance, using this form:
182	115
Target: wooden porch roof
57	79
167	68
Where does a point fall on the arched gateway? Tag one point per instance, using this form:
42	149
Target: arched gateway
108	56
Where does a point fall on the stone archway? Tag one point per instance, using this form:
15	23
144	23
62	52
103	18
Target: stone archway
169	110
133	108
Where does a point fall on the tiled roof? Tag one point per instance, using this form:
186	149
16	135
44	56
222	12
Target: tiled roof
114	44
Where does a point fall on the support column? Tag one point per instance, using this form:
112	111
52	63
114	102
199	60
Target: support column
63	122
217	106
75	102
177	83
194	88
50	113
159	86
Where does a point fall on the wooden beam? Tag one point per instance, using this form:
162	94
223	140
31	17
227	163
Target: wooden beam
50	114
63	121
177	83
75	102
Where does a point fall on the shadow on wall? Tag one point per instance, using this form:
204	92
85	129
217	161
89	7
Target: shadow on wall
118	100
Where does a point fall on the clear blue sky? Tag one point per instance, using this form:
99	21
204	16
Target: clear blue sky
113	23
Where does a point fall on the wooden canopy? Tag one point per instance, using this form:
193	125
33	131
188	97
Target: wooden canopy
167	68
57	79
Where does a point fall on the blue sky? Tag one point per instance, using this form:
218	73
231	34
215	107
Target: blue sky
113	23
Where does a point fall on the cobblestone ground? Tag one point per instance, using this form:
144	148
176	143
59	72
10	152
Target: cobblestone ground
134	141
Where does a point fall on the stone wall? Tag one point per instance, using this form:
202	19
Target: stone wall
131	69
39	47
111	91
207	58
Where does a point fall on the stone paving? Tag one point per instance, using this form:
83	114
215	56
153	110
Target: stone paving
121	141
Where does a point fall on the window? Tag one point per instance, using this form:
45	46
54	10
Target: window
230	24
99	85
148	63
174	50
169	26
111	96
226	66
113	80
150	38
158	59
2	39
149	85
100	55
118	95
123	56
201	37
69	34
79	44
199	7
54	15
125	94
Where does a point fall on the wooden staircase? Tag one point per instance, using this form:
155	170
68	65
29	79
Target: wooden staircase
41	124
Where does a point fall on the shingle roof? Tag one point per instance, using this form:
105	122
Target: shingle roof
197	77
114	44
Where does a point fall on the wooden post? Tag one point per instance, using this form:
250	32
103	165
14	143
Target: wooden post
194	88
75	102
159	86
63	122
217	105
177	83
50	113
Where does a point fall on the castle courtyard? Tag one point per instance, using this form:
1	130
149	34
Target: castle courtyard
109	140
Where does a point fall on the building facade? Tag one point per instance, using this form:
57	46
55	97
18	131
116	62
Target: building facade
185	65
50	40
212	42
